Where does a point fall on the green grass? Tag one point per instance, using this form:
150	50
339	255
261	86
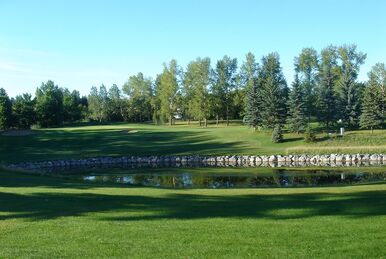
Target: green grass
50	217
145	139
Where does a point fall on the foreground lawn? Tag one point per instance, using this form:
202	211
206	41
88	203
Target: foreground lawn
50	217
144	139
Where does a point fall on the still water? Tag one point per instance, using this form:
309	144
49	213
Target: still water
230	178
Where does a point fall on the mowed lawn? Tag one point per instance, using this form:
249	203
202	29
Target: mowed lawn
146	139
50	217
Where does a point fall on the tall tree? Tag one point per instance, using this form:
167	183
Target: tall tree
5	110
297	118
249	75
72	105
371	116
306	65
139	90
224	83
93	105
168	90
98	104
115	105
23	109
49	104
196	82
274	92
348	88
328	74
377	78
252	108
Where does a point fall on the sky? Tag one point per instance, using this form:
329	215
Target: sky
82	43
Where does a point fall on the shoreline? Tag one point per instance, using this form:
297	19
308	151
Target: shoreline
331	160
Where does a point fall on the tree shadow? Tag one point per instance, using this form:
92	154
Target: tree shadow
285	140
42	206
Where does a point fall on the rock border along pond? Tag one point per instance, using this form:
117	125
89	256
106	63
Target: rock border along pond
332	160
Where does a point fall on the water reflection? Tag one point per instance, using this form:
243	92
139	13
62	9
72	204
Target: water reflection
276	178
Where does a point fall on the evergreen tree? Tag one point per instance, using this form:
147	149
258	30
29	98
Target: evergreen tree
377	78
274	92
23	109
277	134
348	88
328	73
5	110
249	75
252	109
297	119
309	135
306	66
371	116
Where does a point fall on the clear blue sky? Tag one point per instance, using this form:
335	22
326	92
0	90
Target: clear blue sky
81	43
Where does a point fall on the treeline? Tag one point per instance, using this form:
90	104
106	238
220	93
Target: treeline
325	89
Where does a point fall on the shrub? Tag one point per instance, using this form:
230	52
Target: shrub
277	134
309	136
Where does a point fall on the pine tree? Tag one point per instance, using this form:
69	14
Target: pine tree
277	134
306	65
371	116
252	108
348	88
249	77
327	78
297	119
274	92
377	77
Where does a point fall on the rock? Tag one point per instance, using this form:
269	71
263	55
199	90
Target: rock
366	157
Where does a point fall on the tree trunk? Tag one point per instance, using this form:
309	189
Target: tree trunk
372	130
199	122
217	120
206	123
170	120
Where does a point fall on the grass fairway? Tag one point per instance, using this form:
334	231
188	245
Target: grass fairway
50	217
144	139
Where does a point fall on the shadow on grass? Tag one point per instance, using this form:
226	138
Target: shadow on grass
285	140
42	206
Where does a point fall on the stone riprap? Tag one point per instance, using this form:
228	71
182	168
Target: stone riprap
332	160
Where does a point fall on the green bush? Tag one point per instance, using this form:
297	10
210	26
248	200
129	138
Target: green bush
309	136
277	134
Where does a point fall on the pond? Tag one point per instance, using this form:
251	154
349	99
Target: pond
181	178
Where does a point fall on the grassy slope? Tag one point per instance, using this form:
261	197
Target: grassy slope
162	140
47	217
